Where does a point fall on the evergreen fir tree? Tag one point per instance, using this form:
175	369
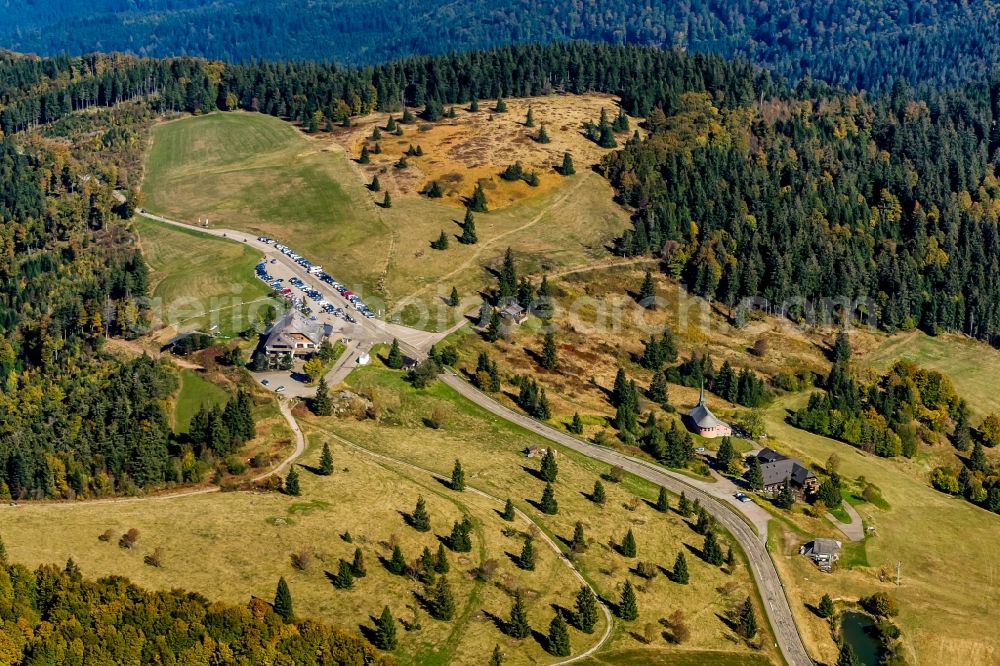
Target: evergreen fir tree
576	425
453	299
385	631
711	551
558	638
457	477
543	135
426	566
469	229
529	119
441	560
387	201
549	358
474	105
658	389
420	519
390	124
747	624
292	483
526	560
549	468
548	503
619	392
376	134
579	542
730	558
326	461
680	570
442	601
441	243
755	476
283	601
627	547
495	327
586	615
397	563
407	116
597	496
496	659
785	498
3	552
977	461
344	580
724	457
647	292
826	608
684	505
375	186
358	568
567	168
662	503
434	190
628	608
321	403
364	158
847	656
501	106
517	626
477	203
459	538
508	511
395	358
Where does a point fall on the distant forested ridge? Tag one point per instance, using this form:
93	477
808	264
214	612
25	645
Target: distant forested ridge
863	43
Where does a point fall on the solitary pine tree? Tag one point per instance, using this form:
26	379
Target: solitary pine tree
658	389
598	496
543	136
529	119
785	498
477	203
469	229
548	503
292	483
627	547
549	359
576	425
747	624
494	328
457	477
397	563
684	505
326	461
647	292
725	455
549	468
508	511
453	299
680	571
364	158
526	560
385	631
825	608
567	168
387	201
441	243
586	615
755	477
321	403
358	568
376	134
442	601
376	185
395	358
441	560
711	551
283	601
662	503
558	638
344	580
501	106
579	542
496	659
628	608
517	626
420	520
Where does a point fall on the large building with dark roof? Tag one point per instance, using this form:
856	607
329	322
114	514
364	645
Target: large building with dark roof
293	334
703	422
776	468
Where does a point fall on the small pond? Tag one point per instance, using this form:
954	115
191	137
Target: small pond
855	628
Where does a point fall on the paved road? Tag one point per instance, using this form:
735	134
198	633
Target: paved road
771	590
854	530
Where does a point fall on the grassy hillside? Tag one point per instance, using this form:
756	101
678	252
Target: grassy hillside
200	281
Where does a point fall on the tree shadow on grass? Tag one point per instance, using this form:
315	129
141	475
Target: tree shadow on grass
533	472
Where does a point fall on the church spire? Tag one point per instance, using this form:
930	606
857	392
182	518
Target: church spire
701	398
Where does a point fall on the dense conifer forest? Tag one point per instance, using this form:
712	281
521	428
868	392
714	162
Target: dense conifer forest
865	44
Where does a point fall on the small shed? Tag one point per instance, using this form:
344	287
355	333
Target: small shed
514	313
824	552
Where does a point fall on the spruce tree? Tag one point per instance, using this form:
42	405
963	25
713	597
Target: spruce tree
730	557
375	186
292	483
680	570
628	608
548	503
558	638
283	601
526	560
326	461
441	560
387	201
344	580
543	136
658	391
785	499
385	631
441	243
567	168
477	203
453	298
469	229
627	547
725	455
529	119
420	520
747	624
977	461
517	626
576	425
549	468
376	134
508	511
474	105
826	608
597	496
496	659
457	477
426	565
501	106
494	328
395	358
684	505
442	601
647	292
459	540
321	403
549	357
755	476
364	158
579	542
662	503
711	551
846	656
358	568
586	615
3	552
397	563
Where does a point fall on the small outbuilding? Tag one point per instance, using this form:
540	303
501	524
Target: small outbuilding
824	552
514	314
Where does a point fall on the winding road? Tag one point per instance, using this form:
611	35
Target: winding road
772	592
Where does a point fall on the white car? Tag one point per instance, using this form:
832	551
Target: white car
279	389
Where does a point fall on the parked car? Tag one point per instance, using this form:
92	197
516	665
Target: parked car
279	389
